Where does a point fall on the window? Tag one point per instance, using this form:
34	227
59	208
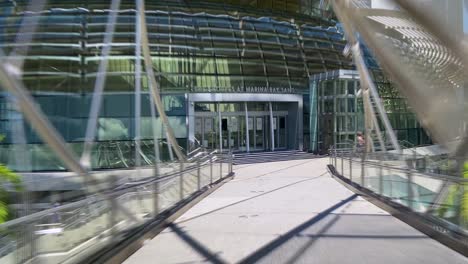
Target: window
351	87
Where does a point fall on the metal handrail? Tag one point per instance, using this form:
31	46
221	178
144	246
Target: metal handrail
129	193
425	174
96	198
195	156
442	210
194	151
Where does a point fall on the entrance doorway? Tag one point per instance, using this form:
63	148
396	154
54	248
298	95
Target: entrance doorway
280	125
240	131
205	132
258	133
233	132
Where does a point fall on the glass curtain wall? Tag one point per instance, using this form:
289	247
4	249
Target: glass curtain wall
341	113
186	44
196	47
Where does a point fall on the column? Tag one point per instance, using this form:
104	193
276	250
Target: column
220	127
313	116
247	137
272	129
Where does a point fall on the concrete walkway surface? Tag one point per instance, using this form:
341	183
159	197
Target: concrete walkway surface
289	212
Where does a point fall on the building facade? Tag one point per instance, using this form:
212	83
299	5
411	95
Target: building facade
233	75
339	111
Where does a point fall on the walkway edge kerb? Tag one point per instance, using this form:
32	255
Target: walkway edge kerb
121	251
426	225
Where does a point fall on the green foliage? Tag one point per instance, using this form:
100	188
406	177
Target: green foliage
464	199
464	208
449	202
7	177
456	199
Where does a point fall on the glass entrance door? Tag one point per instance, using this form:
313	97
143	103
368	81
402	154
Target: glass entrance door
251	123
225	132
260	133
209	133
267	133
230	129
281	132
234	133
198	130
205	132
259	137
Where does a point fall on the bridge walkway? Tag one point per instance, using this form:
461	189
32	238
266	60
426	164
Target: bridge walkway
289	212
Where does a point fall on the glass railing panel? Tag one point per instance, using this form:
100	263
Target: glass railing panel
62	234
345	167
371	179
428	186
356	169
190	182
128	211
451	204
169	193
226	167
216	170
425	190
205	173
339	162
396	186
14	246
123	203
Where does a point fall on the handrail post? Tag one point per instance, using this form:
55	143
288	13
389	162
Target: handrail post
30	237
231	161
198	174
380	177
156	198
335	158
342	166
350	168
181	181
425	163
409	186
362	169
211	169
221	166
112	220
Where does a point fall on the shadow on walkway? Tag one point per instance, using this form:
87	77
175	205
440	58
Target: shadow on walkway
197	246
275	244
271	172
282	240
250	198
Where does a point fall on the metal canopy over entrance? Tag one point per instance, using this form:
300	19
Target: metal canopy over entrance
240	123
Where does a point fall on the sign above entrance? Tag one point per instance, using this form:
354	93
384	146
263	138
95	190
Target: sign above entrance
247	89
259	89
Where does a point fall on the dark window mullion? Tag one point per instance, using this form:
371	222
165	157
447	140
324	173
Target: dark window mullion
265	72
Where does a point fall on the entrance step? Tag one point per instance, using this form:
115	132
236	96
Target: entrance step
273	156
